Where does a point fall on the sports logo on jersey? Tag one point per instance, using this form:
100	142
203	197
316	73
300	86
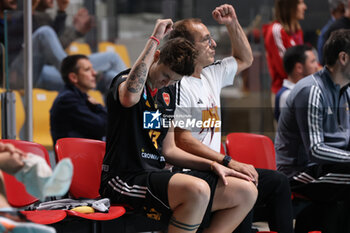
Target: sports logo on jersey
151	120
166	98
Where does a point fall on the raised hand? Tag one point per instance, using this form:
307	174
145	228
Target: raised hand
224	14
163	27
35	4
82	21
62	4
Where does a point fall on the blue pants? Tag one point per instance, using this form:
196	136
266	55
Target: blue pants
47	57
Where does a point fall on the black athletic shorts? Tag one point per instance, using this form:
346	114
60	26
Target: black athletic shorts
147	193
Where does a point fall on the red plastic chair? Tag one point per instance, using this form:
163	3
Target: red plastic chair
87	156
254	149
16	193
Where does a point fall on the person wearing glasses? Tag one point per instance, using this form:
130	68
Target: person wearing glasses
198	98
139	146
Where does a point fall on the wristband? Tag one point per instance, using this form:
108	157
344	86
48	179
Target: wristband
226	160
211	165
154	38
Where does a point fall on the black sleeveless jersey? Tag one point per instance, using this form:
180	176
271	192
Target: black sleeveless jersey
135	134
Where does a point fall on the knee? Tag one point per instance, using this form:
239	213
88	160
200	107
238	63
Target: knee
250	193
246	193
198	192
281	183
112	56
44	34
44	31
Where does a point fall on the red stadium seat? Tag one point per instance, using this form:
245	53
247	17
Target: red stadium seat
16	193
254	149
87	156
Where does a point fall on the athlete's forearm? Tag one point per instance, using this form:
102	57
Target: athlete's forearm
185	141
240	46
130	91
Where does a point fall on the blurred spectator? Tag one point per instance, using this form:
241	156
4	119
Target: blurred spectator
108	63
299	61
48	54
341	23
74	113
281	34
337	10
312	141
46	47
82	22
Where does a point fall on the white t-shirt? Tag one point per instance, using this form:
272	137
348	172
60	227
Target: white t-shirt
198	103
288	84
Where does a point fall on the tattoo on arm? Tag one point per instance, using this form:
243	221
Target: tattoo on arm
148	51
183	226
137	78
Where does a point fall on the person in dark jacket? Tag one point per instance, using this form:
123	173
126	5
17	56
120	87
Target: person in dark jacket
74	113
313	138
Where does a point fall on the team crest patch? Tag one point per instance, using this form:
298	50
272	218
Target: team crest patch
166	98
152	213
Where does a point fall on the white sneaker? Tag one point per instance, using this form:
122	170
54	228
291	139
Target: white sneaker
39	179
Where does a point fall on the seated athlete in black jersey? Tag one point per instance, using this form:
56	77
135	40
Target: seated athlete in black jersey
139	142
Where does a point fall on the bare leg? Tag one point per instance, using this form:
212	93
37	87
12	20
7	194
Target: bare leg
10	162
231	203
188	198
3	199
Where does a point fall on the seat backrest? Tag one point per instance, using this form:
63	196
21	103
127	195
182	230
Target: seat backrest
121	49
87	157
20	114
42	102
254	149
78	48
16	193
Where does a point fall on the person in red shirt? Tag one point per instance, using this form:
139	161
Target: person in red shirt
279	35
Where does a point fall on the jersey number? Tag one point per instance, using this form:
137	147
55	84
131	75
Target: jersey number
154	135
